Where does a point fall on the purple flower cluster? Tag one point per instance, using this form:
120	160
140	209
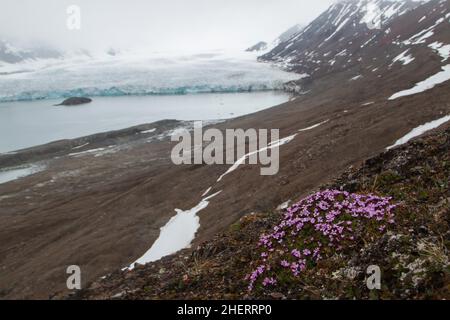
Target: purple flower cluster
320	224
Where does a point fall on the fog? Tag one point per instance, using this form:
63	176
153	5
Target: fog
156	25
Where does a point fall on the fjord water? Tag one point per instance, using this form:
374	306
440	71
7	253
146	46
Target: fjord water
31	123
129	90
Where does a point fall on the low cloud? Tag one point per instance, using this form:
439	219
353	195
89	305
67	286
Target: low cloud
154	25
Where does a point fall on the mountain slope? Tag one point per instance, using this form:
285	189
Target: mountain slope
287	35
356	37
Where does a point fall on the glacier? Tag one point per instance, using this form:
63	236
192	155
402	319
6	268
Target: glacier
138	74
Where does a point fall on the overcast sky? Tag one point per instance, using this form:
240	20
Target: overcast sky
159	25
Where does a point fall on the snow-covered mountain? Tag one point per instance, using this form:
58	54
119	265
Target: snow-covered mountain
10	53
287	35
370	38
263	46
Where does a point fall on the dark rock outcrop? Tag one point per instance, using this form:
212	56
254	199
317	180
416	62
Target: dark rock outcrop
74	101
258	47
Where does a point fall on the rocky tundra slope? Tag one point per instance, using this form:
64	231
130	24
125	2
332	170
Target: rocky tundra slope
412	253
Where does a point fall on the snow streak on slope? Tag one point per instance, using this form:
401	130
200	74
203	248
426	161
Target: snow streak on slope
404	58
423	35
313	126
275	144
427	84
442	49
272	145
420	130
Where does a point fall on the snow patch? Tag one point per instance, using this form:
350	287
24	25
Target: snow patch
206	192
356	78
177	234
373	14
272	145
148	131
403	58
420	130
427	84
17	173
338	29
423	35
313	126
97	152
80	146
443	50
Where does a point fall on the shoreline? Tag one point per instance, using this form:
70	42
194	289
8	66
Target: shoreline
63	147
231	91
